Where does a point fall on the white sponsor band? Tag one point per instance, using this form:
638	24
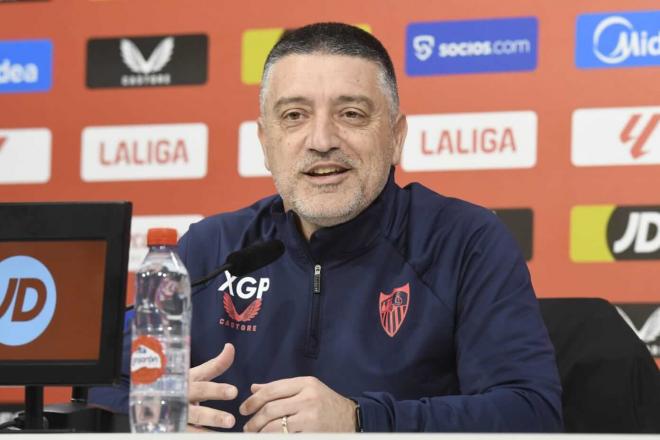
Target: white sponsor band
144	152
470	141
615	136
250	154
25	155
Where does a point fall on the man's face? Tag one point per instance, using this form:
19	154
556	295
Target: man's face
328	135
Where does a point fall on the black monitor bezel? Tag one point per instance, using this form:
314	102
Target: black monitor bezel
69	221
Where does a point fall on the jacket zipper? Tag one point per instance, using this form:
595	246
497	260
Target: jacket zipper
312	342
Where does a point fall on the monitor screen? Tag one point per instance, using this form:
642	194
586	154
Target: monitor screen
51	299
63	273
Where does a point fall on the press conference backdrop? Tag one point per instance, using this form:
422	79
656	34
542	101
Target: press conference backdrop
547	112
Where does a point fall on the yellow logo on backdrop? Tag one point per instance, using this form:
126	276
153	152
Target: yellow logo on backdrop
589	233
255	47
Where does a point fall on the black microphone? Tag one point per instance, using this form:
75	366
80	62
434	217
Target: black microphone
247	260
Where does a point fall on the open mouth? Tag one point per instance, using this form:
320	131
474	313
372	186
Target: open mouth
328	170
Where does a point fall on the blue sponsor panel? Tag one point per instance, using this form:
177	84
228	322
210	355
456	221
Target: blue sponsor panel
26	66
474	46
618	39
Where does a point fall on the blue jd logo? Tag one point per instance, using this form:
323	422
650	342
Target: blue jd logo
27	300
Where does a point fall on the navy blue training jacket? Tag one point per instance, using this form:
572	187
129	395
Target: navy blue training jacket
421	309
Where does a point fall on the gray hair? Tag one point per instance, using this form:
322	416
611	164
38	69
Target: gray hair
334	39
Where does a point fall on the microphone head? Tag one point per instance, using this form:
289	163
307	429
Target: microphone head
254	257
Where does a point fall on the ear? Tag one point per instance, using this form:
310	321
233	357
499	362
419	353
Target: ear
262	140
399	134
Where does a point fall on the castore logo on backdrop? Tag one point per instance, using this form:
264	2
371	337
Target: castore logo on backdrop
165	60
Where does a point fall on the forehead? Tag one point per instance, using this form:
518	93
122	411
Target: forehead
319	76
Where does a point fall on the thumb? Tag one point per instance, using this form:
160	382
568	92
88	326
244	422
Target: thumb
214	367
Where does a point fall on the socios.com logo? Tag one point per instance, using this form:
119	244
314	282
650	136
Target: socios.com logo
26	66
609	233
618	40
451	47
27	299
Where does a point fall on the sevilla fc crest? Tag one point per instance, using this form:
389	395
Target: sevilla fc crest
393	308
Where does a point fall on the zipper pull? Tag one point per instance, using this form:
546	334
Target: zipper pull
317	279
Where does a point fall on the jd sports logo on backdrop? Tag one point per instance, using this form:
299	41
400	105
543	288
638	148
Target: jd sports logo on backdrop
166	60
622	39
454	47
609	233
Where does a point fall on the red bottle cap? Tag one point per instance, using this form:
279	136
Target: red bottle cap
161	237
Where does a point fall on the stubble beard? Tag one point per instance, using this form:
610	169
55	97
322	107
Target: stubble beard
312	208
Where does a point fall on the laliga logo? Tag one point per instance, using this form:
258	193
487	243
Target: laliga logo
630	42
423	45
27	300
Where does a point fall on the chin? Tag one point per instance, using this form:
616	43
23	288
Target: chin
326	213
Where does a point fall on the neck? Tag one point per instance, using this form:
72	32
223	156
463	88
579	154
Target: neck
307	228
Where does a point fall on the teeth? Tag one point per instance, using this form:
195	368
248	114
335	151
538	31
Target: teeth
322	171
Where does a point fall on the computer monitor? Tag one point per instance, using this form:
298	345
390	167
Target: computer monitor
63	269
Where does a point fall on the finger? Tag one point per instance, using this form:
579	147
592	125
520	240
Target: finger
293	424
202	391
279	389
214	367
202	415
274	410
195	428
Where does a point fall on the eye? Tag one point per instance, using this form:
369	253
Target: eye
353	114
292	115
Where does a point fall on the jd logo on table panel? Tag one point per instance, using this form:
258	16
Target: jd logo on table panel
27	299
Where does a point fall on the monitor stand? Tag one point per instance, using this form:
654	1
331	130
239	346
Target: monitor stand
75	416
34	408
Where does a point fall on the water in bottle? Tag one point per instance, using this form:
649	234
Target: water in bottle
160	349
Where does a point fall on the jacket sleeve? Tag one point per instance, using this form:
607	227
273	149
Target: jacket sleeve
505	362
115	397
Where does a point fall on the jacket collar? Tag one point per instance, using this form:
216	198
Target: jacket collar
340	242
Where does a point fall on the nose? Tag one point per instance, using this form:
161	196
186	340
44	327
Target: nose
324	136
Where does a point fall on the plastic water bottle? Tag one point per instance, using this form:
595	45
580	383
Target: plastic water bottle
160	349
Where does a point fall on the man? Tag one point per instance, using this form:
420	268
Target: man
392	309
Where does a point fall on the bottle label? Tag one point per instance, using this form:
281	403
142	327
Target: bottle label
147	360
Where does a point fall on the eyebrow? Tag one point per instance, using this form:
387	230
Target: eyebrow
291	100
343	99
357	99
